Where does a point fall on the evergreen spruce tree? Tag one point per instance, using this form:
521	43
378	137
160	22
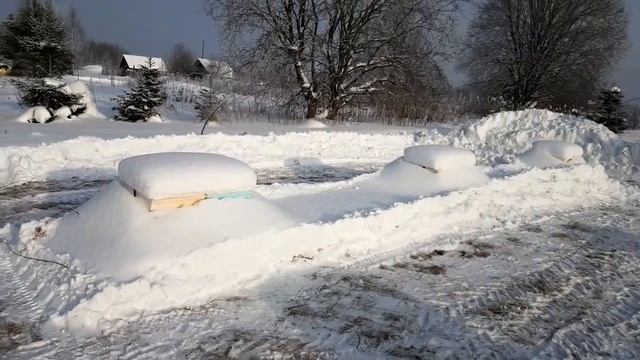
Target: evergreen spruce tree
36	41
141	102
611	112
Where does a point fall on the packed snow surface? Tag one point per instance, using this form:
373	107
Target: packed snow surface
172	269
175	174
549	153
439	157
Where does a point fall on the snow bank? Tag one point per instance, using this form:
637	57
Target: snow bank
195	268
439	157
500	137
496	139
313	124
90	157
115	235
168	175
549	153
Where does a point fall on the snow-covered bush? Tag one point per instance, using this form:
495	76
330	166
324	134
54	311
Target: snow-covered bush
141	102
63	113
36	114
37	92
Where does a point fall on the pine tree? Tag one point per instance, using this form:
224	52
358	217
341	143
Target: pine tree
36	41
141	102
611	112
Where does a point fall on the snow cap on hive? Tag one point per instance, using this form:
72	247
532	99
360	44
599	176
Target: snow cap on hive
439	157
176	174
549	153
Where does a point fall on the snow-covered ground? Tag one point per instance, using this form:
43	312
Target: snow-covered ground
500	261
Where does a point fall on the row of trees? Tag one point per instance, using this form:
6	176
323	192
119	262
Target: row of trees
548	53
41	43
336	54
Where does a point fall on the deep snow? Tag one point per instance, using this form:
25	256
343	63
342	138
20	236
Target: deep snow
335	227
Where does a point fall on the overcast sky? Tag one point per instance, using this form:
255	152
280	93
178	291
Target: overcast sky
152	27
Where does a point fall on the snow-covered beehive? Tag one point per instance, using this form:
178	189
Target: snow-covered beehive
116	234
550	153
439	157
431	169
173	180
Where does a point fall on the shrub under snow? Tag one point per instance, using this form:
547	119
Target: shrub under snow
62	101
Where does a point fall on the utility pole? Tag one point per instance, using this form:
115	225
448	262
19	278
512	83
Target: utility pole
202	49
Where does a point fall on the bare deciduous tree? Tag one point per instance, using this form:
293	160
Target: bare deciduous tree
277	29
340	50
181	60
551	53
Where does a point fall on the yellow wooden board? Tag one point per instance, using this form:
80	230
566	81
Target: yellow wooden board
175	203
170	203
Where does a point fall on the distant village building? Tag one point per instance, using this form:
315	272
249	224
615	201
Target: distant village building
219	69
130	64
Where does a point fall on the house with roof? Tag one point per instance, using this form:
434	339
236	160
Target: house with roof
219	69
130	64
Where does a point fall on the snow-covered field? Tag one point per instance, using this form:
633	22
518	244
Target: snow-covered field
499	261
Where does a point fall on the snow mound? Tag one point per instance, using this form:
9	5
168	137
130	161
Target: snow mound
176	174
64	113
439	157
115	234
406	178
80	88
550	153
90	70
36	114
155	119
313	124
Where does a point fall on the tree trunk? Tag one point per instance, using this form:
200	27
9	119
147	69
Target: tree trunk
312	108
